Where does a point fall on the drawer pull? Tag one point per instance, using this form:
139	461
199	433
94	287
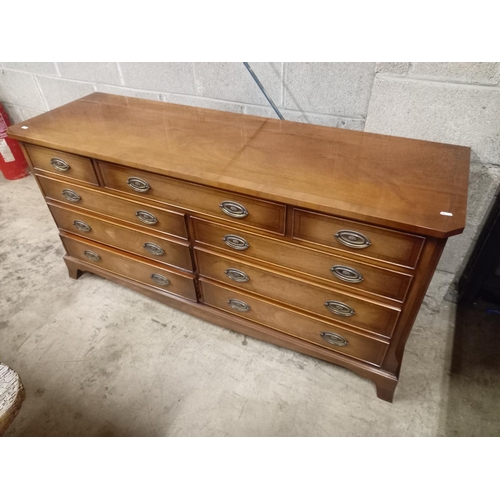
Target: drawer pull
138	185
81	226
346	273
91	255
70	195
339	308
236	242
233	209
334	339
59	164
237	275
160	280
153	248
146	217
353	239
239	305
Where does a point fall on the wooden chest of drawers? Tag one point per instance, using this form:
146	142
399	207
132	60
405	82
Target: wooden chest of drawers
316	239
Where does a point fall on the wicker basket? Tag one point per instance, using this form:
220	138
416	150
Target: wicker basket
12	395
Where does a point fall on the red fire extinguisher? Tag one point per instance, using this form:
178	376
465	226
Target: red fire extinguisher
13	164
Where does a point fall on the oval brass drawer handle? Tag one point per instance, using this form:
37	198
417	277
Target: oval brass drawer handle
236	275
70	195
91	255
59	164
153	248
346	273
81	226
334	339
352	239
239	305
146	217
236	242
339	308
233	209
160	280
139	185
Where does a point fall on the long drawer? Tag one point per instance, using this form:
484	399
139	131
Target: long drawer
295	324
231	206
330	303
140	214
60	163
175	253
126	265
340	270
357	238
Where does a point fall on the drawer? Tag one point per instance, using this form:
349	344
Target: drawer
330	303
130	267
233	207
140	214
344	272
60	163
355	238
152	247
292	323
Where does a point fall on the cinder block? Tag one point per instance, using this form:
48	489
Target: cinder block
458	250
141	94
484	183
232	82
40	68
487	73
297	116
30	113
392	68
58	92
266	112
203	103
161	77
329	88
351	124
20	89
99	72
15	114
438	288
449	113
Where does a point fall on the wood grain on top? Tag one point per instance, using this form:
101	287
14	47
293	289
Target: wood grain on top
390	181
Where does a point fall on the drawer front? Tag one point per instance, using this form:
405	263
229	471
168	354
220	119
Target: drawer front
232	207
332	304
60	163
139	214
293	323
133	268
152	247
375	280
355	238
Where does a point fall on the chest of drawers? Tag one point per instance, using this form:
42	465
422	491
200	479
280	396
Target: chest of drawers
316	239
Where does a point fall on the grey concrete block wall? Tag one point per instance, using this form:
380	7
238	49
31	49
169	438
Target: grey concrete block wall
457	103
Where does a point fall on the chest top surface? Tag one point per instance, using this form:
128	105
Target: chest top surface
394	182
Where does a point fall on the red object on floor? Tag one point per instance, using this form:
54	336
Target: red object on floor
13	164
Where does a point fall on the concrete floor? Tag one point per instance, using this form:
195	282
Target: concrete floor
101	360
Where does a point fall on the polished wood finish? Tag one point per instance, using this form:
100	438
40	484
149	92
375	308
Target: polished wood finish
286	288
300	185
79	168
113	206
134	268
185	195
318	264
176	253
298	325
388	246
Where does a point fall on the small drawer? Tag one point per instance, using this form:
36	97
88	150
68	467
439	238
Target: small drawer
330	303
236	208
140	243
344	272
355	238
60	163
130	267
139	214
295	324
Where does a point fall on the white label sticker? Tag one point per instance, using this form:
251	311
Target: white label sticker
6	152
